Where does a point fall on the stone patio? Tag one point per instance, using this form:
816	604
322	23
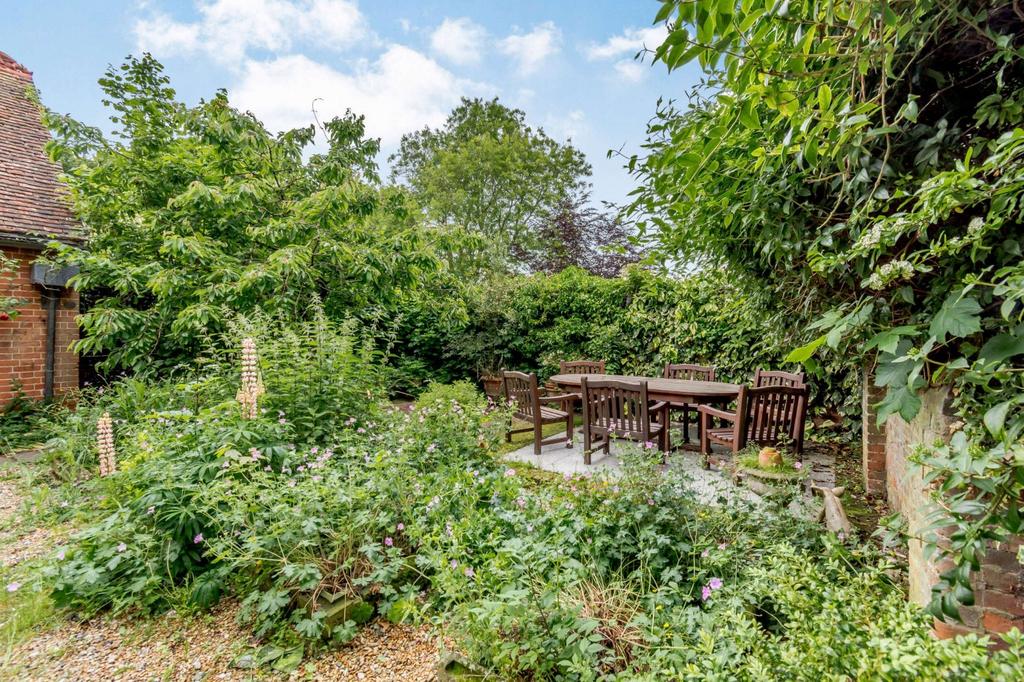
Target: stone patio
708	483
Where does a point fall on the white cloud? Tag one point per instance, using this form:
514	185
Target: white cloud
403	90
228	29
531	50
571	125
460	41
631	70
627	43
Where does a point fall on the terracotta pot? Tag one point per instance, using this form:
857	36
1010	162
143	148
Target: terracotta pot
492	386
769	458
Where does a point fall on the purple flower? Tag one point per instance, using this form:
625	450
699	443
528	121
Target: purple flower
723	545
122	547
521	502
282	420
454	564
798	465
198	539
705	593
715	583
360	430
400	527
469	572
705	553
432	447
649	445
13	587
388	541
510	472
60	554
650	501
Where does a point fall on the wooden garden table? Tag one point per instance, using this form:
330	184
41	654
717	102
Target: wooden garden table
672	391
675	391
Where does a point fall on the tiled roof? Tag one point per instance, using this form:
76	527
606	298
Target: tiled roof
33	202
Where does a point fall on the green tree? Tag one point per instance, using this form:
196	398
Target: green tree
486	171
866	159
198	213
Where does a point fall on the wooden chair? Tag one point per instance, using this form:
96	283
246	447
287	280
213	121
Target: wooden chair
530	407
765	377
581	367
620	409
766	415
693	373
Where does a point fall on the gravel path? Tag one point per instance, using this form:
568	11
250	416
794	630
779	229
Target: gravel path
193	649
170	647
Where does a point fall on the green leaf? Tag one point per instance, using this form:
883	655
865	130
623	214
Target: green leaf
995	418
803	353
824	97
1001	347
957	317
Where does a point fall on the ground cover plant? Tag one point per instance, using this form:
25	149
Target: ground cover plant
408	515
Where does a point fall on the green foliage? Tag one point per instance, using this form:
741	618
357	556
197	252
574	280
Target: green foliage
199	213
487	171
866	159
636	322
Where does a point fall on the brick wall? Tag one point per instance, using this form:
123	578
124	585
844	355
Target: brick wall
872	439
999	586
23	339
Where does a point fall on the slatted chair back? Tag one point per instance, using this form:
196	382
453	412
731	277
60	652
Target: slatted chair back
581	367
691	372
620	407
765	377
770	414
521	388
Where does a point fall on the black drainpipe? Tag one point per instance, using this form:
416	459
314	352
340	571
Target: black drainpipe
51	341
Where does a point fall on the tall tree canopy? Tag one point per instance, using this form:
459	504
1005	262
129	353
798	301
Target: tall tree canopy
866	157
197	213
486	171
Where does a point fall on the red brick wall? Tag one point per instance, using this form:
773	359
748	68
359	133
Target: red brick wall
23	339
999	586
872	439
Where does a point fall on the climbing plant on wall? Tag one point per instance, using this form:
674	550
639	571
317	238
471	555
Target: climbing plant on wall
865	158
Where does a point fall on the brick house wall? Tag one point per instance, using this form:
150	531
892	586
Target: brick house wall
23	339
999	586
34	211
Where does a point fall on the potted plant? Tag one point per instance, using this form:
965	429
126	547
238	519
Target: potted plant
767	471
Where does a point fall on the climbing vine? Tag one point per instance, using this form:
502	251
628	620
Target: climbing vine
865	158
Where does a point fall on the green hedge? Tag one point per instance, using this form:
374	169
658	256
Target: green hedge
636	323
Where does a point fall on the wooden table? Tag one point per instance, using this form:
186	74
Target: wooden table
672	391
675	391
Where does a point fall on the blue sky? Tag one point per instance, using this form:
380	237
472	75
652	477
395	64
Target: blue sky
404	64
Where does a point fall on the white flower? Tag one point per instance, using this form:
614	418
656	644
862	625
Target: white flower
976	225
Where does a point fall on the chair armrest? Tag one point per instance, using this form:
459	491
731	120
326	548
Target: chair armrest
721	414
559	398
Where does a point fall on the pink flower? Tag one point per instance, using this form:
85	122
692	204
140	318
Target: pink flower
705	553
649	445
400	527
13	587
360	430
521	502
388	541
61	554
469	572
715	583
723	545
798	465
510	472
432	447
454	564
122	547
198	539
705	593
650	501
282	420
